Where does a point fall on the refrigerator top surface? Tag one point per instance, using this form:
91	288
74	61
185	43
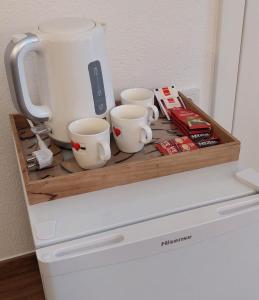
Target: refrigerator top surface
87	214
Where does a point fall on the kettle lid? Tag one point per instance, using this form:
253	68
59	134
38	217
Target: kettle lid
67	25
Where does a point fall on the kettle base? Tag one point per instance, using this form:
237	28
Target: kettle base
66	146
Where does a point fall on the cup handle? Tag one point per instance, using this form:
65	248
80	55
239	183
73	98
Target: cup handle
104	151
153	113
146	134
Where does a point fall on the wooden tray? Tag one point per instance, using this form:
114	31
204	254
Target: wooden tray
66	178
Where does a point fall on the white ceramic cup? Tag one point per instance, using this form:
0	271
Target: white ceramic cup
90	139
143	97
130	127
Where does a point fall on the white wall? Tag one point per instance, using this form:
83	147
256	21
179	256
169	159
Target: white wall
246	121
150	43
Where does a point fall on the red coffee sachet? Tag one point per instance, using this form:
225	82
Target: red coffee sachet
189	119
166	147
189	132
184	143
178	144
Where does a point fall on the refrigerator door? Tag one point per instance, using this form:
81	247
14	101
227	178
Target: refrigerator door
206	253
87	214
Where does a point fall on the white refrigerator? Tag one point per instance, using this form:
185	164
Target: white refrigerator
193	235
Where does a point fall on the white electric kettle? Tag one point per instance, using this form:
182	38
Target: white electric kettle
74	78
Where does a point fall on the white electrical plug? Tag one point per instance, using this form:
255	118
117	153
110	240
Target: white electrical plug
41	158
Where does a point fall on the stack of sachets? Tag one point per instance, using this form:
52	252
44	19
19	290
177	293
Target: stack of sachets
191	124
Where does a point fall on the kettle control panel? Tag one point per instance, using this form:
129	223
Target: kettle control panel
96	78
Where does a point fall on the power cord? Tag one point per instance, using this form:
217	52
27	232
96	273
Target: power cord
43	157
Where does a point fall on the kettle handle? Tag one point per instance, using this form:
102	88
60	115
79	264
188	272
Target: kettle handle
15	53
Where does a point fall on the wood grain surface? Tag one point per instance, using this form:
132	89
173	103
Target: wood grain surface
56	183
20	279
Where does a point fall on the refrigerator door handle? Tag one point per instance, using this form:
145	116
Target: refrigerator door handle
238	208
83	248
